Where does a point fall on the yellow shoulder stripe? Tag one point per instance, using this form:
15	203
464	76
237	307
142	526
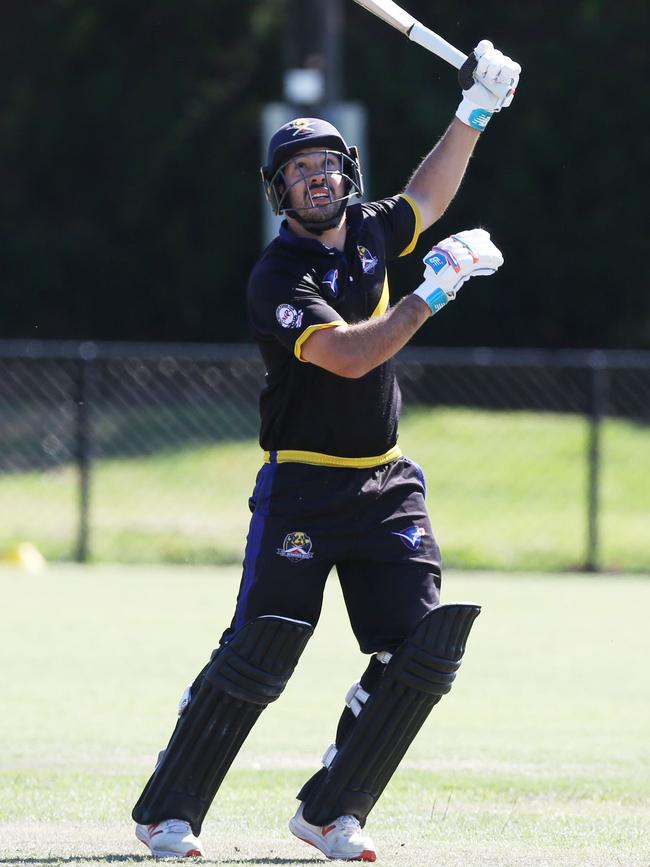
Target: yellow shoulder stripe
382	304
297	347
418	225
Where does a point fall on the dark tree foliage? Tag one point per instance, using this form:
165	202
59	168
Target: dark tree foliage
129	154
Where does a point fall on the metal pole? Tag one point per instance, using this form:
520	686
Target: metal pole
599	385
87	354
332	33
312	40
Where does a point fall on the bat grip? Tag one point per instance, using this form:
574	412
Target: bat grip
421	35
466	72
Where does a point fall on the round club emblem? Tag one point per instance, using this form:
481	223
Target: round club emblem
288	316
296	546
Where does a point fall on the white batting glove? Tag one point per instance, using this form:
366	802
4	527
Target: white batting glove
495	80
453	261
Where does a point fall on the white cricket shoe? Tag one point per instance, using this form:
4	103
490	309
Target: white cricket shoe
341	840
172	838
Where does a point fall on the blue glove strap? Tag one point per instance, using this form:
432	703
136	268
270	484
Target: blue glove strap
473	115
478	118
436	299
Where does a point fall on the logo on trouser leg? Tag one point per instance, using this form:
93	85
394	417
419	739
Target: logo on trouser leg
411	537
296	546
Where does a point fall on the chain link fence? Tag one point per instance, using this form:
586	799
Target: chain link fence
148	453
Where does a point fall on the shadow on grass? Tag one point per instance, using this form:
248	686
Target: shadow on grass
116	859
76	859
275	861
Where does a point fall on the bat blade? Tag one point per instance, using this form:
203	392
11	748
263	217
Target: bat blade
401	20
389	12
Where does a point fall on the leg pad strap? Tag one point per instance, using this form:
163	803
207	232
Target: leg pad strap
420	672
244	676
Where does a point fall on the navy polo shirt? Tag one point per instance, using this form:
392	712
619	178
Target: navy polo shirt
298	286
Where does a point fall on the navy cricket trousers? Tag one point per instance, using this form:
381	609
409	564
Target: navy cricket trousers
371	524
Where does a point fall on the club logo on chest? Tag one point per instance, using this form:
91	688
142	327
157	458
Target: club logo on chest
368	261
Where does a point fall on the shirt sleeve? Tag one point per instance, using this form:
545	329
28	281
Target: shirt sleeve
400	221
288	311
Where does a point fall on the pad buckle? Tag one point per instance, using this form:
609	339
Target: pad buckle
356	697
329	755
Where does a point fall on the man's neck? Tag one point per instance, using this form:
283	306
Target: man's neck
330	238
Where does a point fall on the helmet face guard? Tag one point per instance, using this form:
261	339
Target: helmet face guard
319	137
278	187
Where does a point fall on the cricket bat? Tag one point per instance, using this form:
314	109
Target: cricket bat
401	20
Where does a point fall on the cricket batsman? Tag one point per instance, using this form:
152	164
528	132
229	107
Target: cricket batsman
335	489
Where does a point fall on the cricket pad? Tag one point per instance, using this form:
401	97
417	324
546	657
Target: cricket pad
419	673
244	676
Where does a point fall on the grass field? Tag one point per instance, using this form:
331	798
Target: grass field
506	490
539	756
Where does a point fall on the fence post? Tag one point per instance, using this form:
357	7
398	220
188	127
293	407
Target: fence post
87	355
597	409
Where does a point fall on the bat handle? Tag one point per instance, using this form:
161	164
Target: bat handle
436	44
466	72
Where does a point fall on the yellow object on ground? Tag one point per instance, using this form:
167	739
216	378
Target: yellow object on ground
25	555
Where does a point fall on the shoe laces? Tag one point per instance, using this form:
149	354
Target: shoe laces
177	826
349	824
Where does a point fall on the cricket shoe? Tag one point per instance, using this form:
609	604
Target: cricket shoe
172	838
340	840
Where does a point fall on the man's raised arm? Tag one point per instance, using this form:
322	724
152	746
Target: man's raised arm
437	178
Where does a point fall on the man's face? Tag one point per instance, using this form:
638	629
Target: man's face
314	182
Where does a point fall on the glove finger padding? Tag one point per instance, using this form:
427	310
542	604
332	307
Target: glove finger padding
486	256
453	261
490	65
494	69
482	48
495	79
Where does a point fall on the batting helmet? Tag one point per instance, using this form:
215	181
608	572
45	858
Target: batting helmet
295	136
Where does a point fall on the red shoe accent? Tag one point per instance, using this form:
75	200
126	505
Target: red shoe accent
366	855
196	853
310	843
327	829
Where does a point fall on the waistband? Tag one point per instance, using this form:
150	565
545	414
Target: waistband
283	456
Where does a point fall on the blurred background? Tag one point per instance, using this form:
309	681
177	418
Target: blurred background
131	136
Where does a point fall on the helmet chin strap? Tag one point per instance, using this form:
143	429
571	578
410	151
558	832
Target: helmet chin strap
319	228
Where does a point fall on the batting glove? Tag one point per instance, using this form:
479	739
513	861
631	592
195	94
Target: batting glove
453	261
492	86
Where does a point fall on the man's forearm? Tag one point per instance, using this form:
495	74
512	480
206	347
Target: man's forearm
436	180
354	350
